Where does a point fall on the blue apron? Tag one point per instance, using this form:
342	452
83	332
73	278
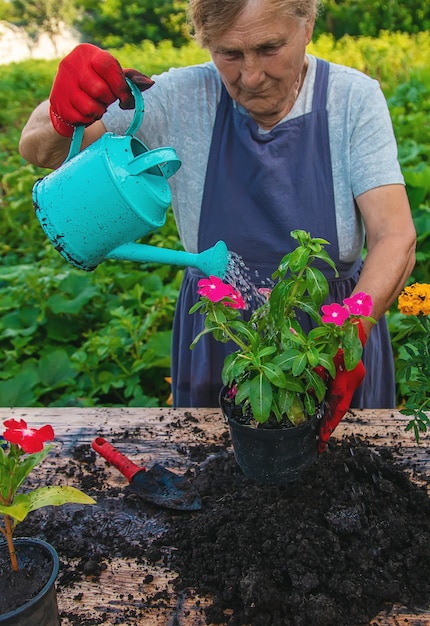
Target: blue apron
258	188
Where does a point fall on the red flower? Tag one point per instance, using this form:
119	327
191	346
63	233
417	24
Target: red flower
359	304
334	314
29	439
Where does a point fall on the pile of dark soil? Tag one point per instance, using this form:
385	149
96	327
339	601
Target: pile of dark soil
333	548
349	539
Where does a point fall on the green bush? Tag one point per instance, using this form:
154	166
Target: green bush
370	17
109	23
410	110
78	338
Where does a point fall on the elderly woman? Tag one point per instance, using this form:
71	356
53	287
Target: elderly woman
271	139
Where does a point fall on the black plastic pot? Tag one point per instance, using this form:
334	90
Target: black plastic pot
273	455
42	609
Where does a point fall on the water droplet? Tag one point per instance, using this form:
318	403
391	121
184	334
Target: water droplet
239	276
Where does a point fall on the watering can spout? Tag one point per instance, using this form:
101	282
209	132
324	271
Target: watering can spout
211	262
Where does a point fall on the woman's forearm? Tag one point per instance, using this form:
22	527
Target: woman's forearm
41	145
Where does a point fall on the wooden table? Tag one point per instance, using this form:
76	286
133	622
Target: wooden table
166	428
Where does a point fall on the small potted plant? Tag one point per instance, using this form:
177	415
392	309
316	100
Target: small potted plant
28	566
276	380
413	364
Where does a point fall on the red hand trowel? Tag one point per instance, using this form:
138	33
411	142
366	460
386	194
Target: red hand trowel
157	485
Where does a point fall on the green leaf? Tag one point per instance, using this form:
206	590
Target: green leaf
76	290
298	259
6	486
260	397
312	356
44	496
326	361
352	347
309	308
310	406
293	383
217	315
55	369
317	285
274	374
234	366
23	322
281	300
205	331
142	400
244	332
243	392
198	305
286	360
18	390
285	400
324	256
318	385
292	406
27	464
299	364
157	351
267	351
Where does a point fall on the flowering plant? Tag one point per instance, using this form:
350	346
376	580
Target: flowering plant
413	365
22	449
278	368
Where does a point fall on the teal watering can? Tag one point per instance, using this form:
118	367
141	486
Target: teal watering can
101	200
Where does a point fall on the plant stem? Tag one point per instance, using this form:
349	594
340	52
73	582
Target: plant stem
226	330
10	544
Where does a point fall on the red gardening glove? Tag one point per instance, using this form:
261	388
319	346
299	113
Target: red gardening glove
339	393
88	80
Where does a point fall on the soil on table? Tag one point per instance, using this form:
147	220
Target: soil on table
347	540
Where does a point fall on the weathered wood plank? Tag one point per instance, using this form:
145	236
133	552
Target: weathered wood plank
165	431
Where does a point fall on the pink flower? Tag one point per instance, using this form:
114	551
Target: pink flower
29	439
265	292
359	304
235	300
214	289
334	314
231	392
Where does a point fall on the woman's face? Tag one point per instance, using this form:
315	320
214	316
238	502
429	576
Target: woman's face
260	59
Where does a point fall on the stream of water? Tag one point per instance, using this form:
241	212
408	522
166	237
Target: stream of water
254	291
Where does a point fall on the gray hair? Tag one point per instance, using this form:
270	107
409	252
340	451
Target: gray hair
211	18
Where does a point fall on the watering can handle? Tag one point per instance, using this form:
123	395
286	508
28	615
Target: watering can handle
78	133
165	158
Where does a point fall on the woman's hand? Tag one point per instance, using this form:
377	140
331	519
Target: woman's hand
339	392
87	82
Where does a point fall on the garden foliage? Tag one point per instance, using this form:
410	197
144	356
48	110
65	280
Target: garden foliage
72	338
114	23
370	17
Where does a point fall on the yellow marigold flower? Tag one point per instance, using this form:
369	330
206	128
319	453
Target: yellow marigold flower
415	299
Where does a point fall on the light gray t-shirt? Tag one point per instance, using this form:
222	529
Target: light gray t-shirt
180	111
